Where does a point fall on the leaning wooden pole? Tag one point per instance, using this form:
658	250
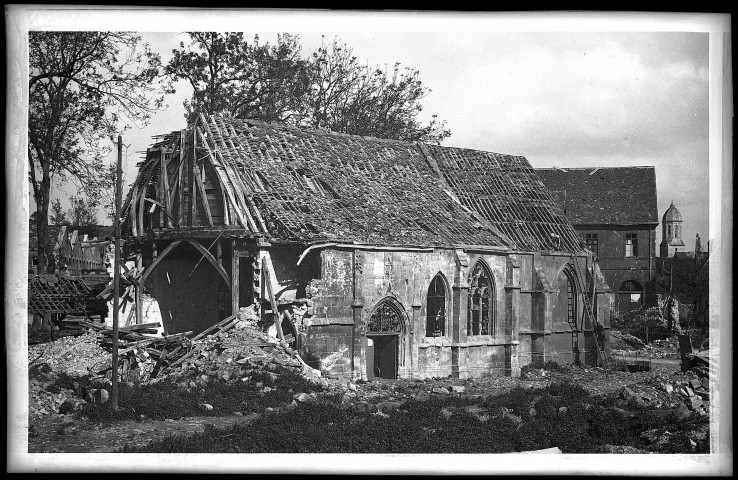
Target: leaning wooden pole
116	273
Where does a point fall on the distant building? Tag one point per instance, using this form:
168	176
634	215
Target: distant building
671	232
614	209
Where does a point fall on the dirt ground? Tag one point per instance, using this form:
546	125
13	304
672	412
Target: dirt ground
70	433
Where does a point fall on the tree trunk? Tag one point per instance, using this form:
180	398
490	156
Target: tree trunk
42	206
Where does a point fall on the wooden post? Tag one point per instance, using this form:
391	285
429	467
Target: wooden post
272	299
116	274
234	278
139	289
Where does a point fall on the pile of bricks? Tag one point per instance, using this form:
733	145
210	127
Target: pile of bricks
696	392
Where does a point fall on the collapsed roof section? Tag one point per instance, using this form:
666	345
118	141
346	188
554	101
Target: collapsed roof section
294	184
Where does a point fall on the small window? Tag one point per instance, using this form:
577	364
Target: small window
435	325
632	290
34	261
668	230
592	243
631	245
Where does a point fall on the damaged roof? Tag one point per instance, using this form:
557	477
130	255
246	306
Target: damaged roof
604	195
310	185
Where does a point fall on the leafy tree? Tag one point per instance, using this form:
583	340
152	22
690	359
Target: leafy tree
58	216
330	89
229	75
349	97
83	87
83	212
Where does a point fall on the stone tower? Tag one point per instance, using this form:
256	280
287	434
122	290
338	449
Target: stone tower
671	233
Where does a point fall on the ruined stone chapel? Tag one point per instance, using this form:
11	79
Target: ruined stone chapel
409	260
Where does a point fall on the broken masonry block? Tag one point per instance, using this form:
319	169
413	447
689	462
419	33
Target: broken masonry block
693	402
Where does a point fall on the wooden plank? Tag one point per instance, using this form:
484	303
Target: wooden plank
204	198
181	184
141	326
132	210
234	177
226	209
192	166
220	325
142	202
247	222
165	184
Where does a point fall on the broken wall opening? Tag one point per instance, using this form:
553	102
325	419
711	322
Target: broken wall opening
191	294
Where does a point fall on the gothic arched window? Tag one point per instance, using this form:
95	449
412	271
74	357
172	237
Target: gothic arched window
435	324
481	315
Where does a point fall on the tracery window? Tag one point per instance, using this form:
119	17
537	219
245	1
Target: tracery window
481	314
386	318
435	325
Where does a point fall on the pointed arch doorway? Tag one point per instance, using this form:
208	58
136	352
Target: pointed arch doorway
386	340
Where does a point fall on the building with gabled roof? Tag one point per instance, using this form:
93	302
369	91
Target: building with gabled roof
614	209
415	260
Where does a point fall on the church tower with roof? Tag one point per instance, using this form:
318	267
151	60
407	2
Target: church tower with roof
671	233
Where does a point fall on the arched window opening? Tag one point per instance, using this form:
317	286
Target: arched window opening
571	299
668	230
481	315
436	308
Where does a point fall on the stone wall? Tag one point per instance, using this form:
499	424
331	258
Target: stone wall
529	304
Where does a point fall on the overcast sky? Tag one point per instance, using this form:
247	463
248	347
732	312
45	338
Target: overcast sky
566	99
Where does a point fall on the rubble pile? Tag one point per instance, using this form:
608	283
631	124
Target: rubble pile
76	356
231	354
624	344
696	391
42	398
231	350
